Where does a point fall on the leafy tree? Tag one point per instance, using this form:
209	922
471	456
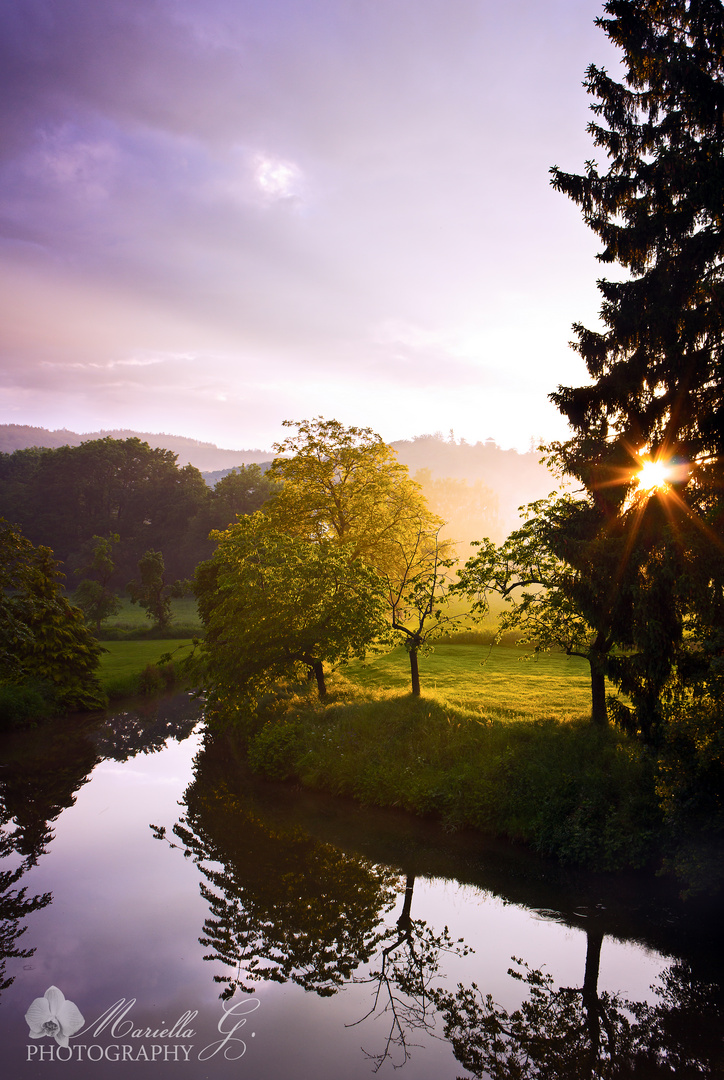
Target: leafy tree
271	602
655	389
417	596
42	636
92	595
243	490
562	581
108	486
152	591
96	602
346	485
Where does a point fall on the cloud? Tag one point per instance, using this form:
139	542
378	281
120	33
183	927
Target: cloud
349	195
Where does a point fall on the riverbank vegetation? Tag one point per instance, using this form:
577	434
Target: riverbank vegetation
493	758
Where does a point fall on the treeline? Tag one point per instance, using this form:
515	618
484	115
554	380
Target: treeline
65	497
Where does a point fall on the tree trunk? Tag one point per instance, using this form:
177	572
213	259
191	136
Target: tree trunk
404	921
319	676
591	1001
599	713
414	672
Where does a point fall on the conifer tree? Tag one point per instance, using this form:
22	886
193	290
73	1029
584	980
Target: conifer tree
656	388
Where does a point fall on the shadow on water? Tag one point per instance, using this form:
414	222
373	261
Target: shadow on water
300	888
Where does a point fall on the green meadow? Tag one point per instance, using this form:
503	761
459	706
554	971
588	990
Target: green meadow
131	622
499	680
132	667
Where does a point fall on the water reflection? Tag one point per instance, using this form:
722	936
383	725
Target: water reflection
41	774
15	904
570	1033
285	905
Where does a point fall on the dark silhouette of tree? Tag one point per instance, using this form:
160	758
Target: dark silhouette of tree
403	985
283	907
580	1033
655	389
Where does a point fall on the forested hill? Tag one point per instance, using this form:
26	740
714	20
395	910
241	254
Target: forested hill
205	456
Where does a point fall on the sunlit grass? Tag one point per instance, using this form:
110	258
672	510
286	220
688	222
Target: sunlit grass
497	679
548	778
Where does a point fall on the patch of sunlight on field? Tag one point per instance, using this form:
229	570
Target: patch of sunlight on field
500	679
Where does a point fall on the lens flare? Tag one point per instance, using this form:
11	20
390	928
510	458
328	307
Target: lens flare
653	476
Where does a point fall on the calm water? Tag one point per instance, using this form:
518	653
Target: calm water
207	925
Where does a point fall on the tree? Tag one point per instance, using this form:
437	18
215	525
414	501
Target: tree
656	377
271	602
92	594
42	636
561	578
417	595
108	486
152	591
345	485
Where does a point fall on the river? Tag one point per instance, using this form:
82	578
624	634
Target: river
166	914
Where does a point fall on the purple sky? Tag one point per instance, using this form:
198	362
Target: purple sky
218	214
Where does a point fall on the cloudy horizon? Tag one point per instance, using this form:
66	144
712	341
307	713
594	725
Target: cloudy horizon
216	217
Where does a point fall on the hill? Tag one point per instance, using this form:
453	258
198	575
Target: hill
204	455
512	478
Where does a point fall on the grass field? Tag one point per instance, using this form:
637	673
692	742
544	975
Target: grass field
132	622
123	663
498	680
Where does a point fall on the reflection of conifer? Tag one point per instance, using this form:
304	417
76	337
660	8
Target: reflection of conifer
15	904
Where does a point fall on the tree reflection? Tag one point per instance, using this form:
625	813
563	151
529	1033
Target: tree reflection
15	904
568	1033
147	728
403	983
283	906
41	775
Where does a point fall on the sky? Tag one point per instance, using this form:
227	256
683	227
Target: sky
216	215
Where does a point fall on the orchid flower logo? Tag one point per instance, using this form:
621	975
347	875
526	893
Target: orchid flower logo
53	1015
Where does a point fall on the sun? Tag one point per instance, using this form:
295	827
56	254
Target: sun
653	476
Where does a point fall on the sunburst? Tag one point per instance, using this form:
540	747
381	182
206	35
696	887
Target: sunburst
653	476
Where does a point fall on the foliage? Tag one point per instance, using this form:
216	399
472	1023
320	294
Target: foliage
656	390
96	602
272	603
568	789
346	485
42	637
417	595
690	786
573	595
110	487
579	1033
151	590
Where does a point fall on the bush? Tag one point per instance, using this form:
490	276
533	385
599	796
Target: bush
275	749
25	703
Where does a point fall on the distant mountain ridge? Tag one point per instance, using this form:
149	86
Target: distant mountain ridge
515	478
207	457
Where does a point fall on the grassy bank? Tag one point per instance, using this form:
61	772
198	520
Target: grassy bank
506	749
128	668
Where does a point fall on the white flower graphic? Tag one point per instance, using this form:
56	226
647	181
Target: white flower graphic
53	1015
